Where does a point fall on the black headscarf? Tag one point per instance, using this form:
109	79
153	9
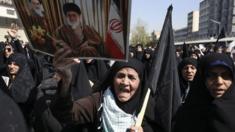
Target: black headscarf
132	50
221	116
134	103
3	59
96	70
184	62
184	84
23	83
187	61
80	86
139	54
201	109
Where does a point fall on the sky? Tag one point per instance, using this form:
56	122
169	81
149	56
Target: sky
152	12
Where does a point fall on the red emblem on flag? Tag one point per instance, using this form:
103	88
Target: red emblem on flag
116	25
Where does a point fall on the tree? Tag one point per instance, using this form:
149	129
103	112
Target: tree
139	34
153	39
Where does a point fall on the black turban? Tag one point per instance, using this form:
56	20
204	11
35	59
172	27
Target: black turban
71	7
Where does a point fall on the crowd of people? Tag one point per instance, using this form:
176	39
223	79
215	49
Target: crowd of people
42	93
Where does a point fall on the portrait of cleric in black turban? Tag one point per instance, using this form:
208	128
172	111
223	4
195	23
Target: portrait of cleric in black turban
97	29
84	40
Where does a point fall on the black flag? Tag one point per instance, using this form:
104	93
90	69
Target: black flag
221	35
163	79
185	50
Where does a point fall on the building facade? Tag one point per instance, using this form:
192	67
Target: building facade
193	21
214	18
215	15
228	16
8	15
191	31
193	25
181	34
204	18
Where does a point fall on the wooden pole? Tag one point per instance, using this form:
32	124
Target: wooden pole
143	109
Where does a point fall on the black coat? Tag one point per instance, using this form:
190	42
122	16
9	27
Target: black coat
202	112
12	119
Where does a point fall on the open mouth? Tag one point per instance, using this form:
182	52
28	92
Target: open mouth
189	76
11	70
124	89
218	91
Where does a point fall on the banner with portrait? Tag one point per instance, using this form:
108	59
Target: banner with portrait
90	28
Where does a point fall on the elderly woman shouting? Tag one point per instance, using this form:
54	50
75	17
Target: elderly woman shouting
113	108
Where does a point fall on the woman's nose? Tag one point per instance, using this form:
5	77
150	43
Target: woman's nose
125	80
219	79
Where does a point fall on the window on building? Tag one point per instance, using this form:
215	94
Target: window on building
10	12
6	22
233	28
6	2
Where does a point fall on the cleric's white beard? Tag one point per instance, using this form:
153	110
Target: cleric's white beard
39	11
73	25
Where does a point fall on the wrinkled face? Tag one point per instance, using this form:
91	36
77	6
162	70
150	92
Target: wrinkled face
8	51
126	83
189	72
36	4
218	81
73	18
13	68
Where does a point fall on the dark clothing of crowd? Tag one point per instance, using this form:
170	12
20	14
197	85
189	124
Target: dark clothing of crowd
30	101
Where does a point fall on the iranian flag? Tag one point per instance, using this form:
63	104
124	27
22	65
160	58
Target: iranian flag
115	39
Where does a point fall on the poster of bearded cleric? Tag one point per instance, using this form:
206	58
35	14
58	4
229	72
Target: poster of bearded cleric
90	28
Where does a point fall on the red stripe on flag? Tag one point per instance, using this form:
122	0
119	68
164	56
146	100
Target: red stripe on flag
112	49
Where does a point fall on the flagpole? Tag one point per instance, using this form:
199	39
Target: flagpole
143	109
